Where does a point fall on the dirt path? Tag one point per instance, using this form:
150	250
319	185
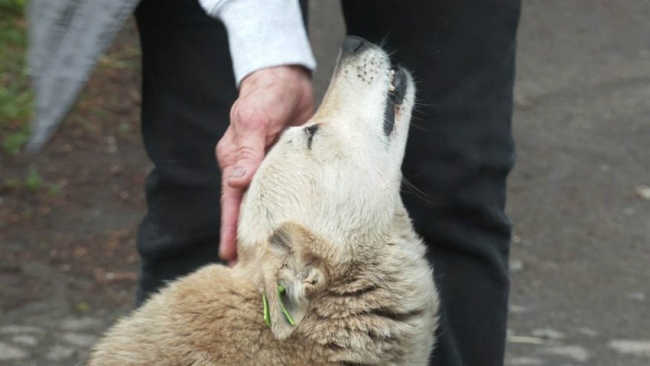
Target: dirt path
68	218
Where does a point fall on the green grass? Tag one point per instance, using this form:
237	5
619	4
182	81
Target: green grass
15	95
32	182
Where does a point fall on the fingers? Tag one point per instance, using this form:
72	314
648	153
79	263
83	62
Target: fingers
270	99
225	151
239	153
230	202
250	134
230	198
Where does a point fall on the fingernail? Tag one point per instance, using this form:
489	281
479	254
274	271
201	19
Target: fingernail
238	172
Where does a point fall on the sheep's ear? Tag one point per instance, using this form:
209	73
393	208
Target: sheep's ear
293	275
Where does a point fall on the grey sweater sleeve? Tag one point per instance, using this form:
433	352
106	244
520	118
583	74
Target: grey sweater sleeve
263	33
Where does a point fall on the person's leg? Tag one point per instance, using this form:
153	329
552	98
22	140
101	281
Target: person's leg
187	91
459	154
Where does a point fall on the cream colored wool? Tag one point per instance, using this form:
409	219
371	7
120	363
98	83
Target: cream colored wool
323	218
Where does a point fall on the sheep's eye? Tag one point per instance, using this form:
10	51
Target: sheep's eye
311	131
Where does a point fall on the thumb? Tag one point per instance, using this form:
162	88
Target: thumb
248	157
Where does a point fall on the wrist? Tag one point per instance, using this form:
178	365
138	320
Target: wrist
286	74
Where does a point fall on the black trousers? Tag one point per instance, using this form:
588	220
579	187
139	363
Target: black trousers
458	157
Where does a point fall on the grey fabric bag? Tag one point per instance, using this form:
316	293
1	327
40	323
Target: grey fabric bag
66	39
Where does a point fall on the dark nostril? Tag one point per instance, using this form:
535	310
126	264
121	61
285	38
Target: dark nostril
352	43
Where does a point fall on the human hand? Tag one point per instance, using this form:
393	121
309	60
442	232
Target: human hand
269	100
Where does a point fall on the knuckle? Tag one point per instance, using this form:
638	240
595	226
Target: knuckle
253	123
222	147
223	150
248	117
235	111
247	153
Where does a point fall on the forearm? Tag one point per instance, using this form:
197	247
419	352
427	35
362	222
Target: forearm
263	33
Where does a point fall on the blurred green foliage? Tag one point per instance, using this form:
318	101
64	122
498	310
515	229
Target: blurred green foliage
17	7
15	94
